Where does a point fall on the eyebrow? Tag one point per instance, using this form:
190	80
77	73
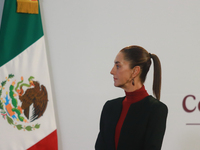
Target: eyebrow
117	62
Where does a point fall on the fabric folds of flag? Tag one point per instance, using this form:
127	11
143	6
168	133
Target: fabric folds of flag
27	118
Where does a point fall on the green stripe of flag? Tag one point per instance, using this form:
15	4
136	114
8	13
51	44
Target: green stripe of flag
18	31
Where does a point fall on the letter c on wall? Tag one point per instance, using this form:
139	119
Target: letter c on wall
184	103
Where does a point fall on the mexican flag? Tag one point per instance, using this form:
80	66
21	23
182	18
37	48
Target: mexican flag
27	119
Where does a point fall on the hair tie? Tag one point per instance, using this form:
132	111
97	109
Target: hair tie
150	55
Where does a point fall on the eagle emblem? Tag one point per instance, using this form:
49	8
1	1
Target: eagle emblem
22	102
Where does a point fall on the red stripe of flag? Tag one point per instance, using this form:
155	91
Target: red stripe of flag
50	142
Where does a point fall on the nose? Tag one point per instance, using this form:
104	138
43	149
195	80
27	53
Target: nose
112	71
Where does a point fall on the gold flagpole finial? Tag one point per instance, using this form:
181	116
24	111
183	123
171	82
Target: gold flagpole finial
27	6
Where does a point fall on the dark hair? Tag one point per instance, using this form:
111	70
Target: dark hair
138	56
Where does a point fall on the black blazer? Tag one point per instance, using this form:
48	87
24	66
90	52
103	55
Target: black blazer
143	127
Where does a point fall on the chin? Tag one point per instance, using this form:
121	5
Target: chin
118	85
115	84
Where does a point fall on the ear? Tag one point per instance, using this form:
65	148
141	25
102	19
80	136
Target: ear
136	71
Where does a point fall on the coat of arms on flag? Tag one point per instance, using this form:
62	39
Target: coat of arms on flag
22	103
27	118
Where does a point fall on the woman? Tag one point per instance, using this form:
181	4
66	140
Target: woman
138	120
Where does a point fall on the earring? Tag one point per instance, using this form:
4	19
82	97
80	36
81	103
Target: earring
133	82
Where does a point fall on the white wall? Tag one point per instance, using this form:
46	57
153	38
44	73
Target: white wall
83	38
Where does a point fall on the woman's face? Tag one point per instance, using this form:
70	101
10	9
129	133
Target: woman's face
121	72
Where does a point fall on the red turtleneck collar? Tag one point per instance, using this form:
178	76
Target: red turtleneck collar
136	96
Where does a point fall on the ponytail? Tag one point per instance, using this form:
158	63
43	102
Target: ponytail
156	76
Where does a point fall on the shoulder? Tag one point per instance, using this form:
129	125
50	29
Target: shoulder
155	105
110	104
115	101
153	101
